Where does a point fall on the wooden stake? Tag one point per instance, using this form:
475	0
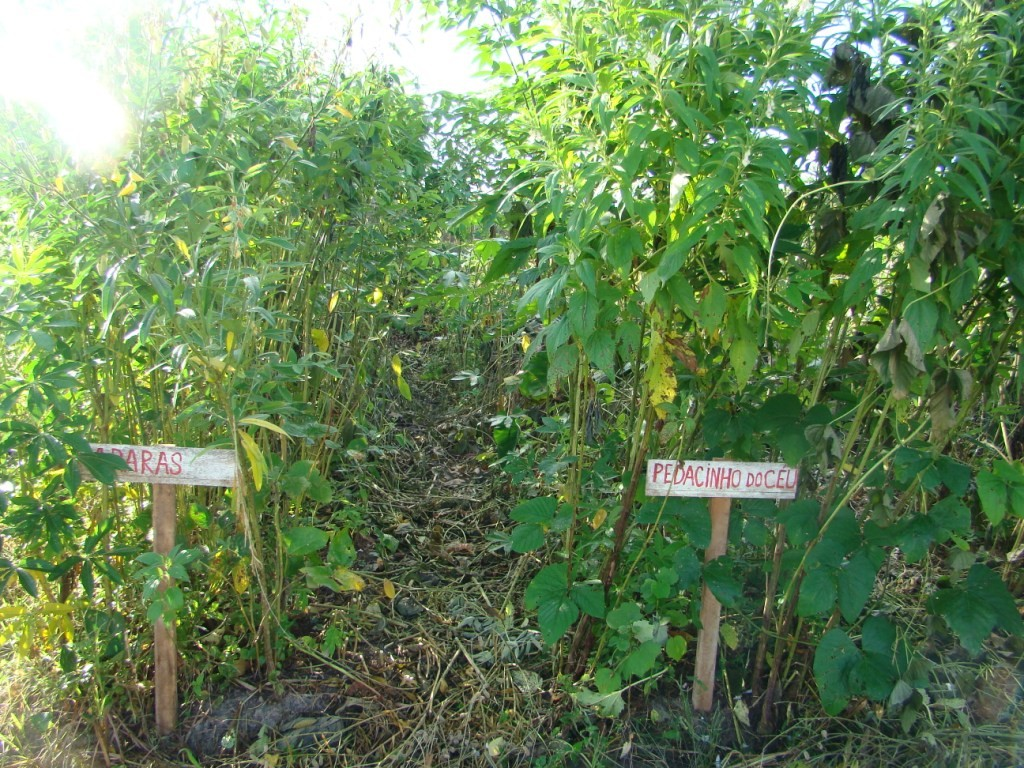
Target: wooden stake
165	651
710	611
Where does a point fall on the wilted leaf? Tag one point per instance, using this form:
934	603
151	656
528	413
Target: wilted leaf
660	374
257	463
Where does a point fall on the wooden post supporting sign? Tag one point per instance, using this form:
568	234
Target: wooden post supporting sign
164	467
718	481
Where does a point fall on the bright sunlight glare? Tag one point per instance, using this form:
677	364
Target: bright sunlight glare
38	66
42	63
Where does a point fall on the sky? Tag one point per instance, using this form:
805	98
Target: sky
38	39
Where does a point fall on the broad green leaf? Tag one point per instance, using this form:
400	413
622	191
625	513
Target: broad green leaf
342	550
842	537
102	466
818	593
834	660
676	647
608	698
711	308
681	291
855	582
537	510
624	616
729	636
582	313
687	567
923	316
548	594
600	348
915	535
304	540
755	532
335	579
743	354
801	521
955	476
641	660
861	281
719	576
628	337
589	598
780	412
562	362
527	537
878	635
625	244
977	607
554	617
874	675
992	492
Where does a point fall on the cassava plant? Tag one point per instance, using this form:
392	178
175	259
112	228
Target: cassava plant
766	231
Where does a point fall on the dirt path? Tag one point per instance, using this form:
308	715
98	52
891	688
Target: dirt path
431	662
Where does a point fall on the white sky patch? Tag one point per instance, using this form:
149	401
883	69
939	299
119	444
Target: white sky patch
434	57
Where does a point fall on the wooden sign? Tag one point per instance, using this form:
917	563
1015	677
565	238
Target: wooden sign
163	467
173	465
720	481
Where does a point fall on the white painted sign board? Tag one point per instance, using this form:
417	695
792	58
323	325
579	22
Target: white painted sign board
164	466
721	479
173	465
718	481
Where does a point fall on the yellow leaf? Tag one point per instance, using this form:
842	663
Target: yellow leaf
134	176
182	246
389	589
54	608
185	145
333	302
599	517
661	373
240	578
11	611
130	187
376	297
396	365
525	342
257	463
320	339
349	580
342	111
215	364
289	142
230	342
495	746
252	421
59	184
